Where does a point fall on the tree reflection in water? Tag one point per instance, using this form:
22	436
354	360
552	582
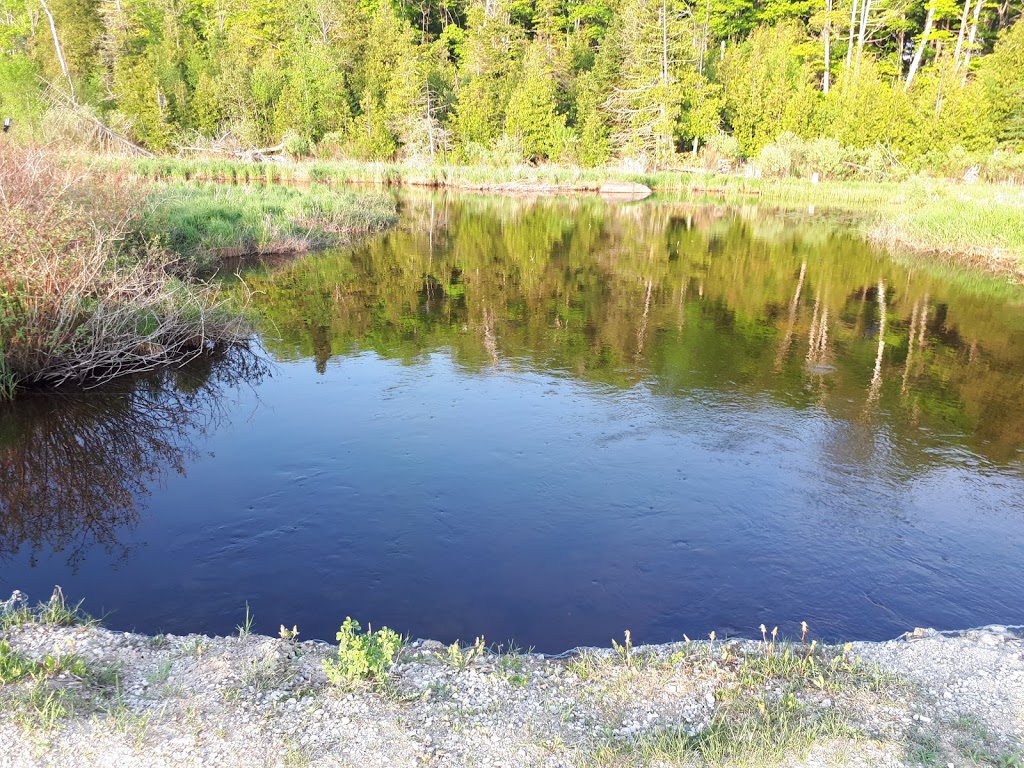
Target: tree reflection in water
76	467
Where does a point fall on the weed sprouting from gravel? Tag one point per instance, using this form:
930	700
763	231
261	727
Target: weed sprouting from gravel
925	749
362	657
460	657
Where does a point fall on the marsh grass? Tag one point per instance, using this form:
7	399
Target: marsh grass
977	226
205	223
984	226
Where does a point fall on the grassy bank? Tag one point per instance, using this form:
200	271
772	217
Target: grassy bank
980	226
98	272
205	223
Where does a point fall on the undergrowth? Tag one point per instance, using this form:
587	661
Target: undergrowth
84	296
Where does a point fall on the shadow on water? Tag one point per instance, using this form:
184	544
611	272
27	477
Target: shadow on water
76	468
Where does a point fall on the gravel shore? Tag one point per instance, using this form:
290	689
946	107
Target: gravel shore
104	698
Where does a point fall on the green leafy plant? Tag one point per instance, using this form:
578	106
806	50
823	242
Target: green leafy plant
362	657
13	665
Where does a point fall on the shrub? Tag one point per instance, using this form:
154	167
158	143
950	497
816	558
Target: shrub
296	145
726	145
825	157
332	145
362	657
83	297
775	161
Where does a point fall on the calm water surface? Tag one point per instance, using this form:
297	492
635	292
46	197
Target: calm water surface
551	421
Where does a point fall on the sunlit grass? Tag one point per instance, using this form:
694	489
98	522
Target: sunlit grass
980	225
204	222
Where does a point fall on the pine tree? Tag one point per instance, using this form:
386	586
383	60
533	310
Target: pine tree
1002	76
769	86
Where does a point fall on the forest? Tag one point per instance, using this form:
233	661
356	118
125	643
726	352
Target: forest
645	84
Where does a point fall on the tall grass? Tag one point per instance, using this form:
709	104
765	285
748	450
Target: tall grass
484	177
976	226
983	226
83	299
206	222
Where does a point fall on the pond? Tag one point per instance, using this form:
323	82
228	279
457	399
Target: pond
549	421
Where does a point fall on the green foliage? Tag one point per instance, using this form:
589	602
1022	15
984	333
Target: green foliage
768	87
1002	76
13	666
461	658
362	657
502	81
200	222
489	55
533	108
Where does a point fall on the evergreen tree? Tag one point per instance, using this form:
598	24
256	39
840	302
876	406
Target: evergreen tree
1002	75
489	57
649	45
769	86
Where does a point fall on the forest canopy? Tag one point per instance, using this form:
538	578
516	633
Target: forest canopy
584	82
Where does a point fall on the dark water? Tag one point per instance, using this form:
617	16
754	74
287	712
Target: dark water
552	421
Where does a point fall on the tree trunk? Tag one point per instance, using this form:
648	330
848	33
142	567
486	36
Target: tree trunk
960	37
970	41
862	34
56	45
828	46
900	39
430	124
916	63
853	22
664	80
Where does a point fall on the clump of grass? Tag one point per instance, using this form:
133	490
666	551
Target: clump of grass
56	612
925	749
84	298
362	657
460	657
245	628
757	730
13	666
205	223
774	700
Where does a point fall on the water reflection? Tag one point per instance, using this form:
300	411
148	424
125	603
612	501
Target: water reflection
76	469
685	297
654	416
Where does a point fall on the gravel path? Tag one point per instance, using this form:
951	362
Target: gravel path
134	700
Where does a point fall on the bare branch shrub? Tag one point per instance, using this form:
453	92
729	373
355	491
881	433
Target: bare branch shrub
83	297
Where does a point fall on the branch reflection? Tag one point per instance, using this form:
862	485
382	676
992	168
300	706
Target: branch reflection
76	468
